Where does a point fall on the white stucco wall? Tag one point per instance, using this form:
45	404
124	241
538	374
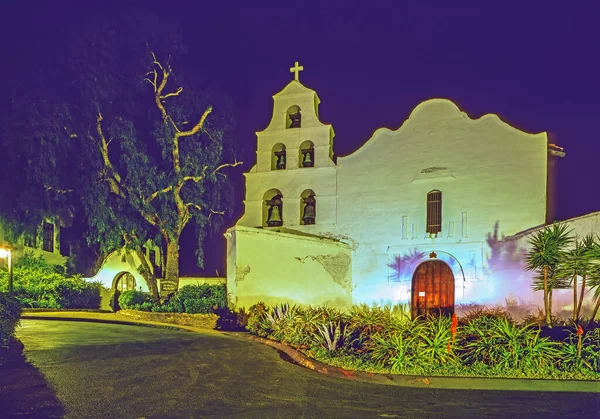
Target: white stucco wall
53	258
278	267
482	163
117	263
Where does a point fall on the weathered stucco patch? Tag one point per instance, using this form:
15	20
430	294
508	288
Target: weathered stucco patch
336	266
240	273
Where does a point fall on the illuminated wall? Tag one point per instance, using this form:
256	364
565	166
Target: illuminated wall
118	263
478	165
278	267
53	258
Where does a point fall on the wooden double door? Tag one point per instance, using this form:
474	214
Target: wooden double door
432	289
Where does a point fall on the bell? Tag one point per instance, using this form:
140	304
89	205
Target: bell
307	160
295	118
275	217
309	213
281	161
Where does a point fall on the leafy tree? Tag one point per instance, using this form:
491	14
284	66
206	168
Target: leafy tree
167	191
547	248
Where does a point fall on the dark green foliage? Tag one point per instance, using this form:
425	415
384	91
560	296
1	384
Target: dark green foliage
38	284
198	305
130	299
198	299
10	312
191	299
145	306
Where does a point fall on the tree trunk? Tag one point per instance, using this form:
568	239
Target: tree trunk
574	298
549	315
148	276
596	309
172	263
581	297
546	308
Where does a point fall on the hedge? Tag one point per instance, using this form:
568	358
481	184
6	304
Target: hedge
10	312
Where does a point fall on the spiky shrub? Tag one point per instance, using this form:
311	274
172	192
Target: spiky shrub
489	313
435	342
332	335
501	344
399	350
280	321
364	322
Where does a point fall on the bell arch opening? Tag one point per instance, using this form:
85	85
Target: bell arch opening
306	157
293	117
278	157
308	207
272	214
432	291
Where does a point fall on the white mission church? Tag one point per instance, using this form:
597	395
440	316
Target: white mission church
394	221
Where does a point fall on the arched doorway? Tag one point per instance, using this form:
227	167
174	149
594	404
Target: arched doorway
125	281
432	289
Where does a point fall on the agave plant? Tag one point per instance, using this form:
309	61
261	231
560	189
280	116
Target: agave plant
331	335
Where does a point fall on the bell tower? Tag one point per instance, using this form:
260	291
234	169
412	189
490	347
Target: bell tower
293	182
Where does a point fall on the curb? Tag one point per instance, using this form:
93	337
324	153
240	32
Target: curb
456	383
110	321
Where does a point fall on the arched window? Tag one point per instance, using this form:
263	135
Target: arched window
434	212
308	207
278	157
272	208
293	117
307	154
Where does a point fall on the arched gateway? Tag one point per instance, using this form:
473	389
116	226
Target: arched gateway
432	289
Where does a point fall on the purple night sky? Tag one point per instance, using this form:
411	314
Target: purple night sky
534	63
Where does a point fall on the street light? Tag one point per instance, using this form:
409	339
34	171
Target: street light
7	253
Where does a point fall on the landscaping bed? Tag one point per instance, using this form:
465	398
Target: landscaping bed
387	340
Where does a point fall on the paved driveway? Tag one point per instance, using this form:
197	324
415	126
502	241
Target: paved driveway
107	370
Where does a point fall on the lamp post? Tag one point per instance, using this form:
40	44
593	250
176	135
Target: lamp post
7	253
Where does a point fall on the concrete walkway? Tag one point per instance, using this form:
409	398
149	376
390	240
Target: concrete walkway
458	383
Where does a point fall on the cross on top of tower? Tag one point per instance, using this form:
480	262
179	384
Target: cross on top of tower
296	69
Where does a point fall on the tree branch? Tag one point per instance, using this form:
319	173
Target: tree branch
114	179
196	127
236	163
49	188
155	194
179	90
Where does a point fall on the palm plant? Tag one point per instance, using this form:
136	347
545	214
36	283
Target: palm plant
547	247
594	275
576	263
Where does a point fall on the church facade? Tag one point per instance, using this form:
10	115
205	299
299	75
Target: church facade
433	214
